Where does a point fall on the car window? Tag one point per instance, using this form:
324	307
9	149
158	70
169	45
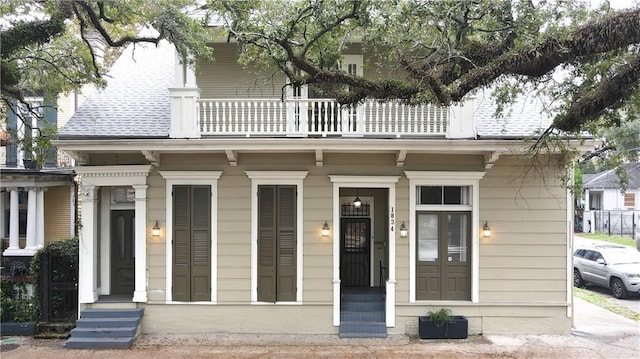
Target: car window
623	257
579	253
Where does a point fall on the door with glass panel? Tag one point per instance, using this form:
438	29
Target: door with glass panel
443	270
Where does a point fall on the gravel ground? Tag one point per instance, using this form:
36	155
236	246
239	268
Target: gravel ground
321	346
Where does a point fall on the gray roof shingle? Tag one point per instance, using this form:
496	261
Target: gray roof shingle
135	102
609	178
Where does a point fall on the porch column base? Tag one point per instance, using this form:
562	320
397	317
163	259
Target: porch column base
24	252
336	302
391	304
87	298
140	296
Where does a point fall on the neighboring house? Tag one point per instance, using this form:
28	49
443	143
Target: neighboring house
217	207
608	209
37	201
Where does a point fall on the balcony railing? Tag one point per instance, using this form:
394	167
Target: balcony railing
318	117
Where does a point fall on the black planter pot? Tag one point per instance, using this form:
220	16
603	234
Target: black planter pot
19	329
457	329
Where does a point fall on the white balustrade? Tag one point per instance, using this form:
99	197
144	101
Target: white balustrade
318	117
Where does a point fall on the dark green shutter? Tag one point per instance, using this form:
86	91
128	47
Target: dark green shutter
266	243
286	245
181	244
191	243
12	128
277	234
201	244
50	121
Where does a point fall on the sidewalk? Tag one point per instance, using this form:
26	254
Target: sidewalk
598	334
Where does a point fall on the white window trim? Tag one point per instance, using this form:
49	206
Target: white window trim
276	178
173	178
444	178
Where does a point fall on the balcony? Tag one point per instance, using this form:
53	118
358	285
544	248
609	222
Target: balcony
318	118
192	117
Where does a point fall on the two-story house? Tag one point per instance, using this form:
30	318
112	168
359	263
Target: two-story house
38	194
218	205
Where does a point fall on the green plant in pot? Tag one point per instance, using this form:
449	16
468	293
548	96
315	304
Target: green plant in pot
441	324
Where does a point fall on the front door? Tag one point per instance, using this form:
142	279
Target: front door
355	256
122	251
443	270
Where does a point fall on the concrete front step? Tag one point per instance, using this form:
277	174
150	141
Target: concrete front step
112	312
105	328
107	322
99	343
362	306
103	332
363	330
358	316
363	297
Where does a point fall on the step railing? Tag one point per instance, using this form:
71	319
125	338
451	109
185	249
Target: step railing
318	117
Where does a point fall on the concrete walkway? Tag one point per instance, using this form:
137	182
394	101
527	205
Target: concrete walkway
598	334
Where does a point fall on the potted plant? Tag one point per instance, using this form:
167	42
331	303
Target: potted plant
441	324
18	309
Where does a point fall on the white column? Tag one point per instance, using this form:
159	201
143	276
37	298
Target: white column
40	217
140	290
3	223
31	220
87	279
14	222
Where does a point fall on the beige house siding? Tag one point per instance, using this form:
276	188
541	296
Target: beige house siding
57	213
522	279
225	78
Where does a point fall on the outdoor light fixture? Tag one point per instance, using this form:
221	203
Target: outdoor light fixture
325	229
403	230
155	231
486	230
357	202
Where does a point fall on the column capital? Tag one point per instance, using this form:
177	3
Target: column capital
13	189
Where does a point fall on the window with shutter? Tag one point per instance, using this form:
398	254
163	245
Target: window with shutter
629	199
191	243
277	243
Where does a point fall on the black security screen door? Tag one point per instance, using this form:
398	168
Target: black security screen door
355	253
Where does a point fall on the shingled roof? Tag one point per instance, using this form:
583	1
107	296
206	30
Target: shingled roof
609	179
136	103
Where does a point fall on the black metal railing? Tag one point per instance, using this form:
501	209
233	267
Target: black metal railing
382	277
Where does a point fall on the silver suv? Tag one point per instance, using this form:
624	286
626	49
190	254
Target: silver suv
611	266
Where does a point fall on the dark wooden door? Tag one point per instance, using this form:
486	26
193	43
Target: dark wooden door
355	253
443	270
122	251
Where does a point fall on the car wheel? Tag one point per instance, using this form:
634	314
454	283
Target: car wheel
617	288
577	279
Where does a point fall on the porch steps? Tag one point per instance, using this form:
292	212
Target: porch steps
114	328
362	315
